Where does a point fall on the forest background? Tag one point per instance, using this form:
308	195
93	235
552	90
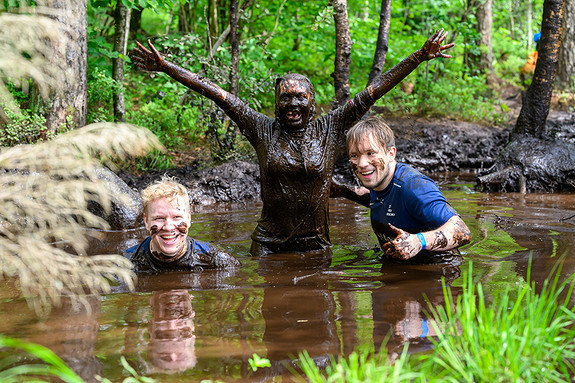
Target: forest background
492	44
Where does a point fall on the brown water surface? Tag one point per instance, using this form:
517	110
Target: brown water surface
186	327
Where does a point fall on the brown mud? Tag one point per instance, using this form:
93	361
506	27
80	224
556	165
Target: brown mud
431	145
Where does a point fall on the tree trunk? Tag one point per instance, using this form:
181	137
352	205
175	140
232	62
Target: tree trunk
537	158
482	62
382	41
529	26
342	53
213	18
533	114
68	107
122	28
235	47
485	26
566	70
512	19
184	14
297	38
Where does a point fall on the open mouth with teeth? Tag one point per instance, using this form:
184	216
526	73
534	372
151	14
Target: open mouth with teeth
170	238
293	115
367	174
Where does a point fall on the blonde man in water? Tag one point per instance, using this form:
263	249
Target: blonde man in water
167	216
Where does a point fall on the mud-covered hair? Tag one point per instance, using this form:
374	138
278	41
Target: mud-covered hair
378	128
165	187
303	79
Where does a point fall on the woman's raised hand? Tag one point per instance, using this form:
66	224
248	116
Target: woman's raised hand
148	59
433	48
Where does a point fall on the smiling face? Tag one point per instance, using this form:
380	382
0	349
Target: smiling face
167	221
373	164
294	102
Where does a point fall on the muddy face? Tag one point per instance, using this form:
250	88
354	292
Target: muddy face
167	223
373	164
294	103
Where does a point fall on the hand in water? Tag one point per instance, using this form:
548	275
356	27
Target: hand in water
404	246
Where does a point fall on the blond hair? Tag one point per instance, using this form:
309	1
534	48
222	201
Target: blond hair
166	187
377	127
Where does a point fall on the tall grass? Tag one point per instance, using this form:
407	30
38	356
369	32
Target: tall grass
529	338
47	365
362	366
521	335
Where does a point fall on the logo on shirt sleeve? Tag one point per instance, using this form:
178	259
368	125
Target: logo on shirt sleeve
390	212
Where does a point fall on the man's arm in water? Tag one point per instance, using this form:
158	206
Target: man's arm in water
450	235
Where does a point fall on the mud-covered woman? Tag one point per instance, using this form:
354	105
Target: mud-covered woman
296	152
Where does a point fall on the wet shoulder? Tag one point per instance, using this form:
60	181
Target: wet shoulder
412	179
213	255
137	251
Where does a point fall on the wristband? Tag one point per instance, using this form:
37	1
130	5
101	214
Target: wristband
422	240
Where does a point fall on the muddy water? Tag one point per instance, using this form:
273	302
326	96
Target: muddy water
190	327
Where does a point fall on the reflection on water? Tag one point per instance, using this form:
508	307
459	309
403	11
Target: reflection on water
172	338
207	325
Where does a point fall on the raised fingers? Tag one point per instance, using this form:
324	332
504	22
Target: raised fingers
142	48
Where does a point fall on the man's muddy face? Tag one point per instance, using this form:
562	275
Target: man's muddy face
167	222
373	164
294	103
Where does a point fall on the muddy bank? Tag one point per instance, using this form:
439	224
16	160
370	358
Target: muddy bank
529	164
234	181
429	145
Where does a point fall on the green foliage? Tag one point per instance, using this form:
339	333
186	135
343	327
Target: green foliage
362	366
23	128
530	338
101	90
134	376
155	160
469	100
16	364
22	361
294	36
257	361
522	334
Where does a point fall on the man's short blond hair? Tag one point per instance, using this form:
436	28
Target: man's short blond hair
166	187
377	127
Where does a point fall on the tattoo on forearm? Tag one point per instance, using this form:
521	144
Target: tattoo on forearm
462	235
440	241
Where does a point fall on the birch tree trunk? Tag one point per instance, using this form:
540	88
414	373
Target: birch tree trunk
122	28
67	108
566	70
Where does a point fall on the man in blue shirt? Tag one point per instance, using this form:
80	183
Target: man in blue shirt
409	215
